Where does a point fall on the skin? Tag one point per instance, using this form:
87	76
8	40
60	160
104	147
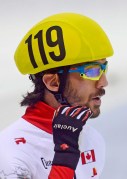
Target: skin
78	91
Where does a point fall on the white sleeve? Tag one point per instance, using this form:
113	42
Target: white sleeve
11	168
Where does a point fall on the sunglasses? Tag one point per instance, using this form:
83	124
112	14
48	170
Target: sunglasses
91	71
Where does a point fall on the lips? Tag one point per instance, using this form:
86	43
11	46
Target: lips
97	100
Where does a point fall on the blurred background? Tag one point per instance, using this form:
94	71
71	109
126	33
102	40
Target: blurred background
17	17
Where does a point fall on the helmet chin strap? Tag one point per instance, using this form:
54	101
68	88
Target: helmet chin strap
59	94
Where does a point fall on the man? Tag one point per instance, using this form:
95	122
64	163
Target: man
65	57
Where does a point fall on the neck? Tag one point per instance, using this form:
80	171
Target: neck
50	100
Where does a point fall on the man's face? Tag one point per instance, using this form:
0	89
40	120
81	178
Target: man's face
80	91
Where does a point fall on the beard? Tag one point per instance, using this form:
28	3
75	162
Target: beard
95	108
96	111
74	99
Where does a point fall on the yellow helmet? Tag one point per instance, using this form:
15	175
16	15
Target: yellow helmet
61	40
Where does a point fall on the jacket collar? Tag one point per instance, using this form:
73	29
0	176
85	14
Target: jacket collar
40	115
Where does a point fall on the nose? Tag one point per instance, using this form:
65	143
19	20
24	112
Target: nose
102	82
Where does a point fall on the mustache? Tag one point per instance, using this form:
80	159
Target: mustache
101	92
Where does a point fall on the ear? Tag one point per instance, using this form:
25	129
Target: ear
51	81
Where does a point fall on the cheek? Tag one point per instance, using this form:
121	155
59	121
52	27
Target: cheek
85	87
79	90
84	91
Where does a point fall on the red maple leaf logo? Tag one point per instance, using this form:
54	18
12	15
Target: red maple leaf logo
88	156
64	146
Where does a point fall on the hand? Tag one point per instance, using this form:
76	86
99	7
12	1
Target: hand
67	125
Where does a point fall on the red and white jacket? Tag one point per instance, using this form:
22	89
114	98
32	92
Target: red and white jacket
27	149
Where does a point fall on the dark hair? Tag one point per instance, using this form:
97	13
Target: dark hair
38	93
39	88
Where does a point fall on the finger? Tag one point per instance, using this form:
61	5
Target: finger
86	116
79	112
76	112
68	110
57	111
72	110
82	113
62	109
